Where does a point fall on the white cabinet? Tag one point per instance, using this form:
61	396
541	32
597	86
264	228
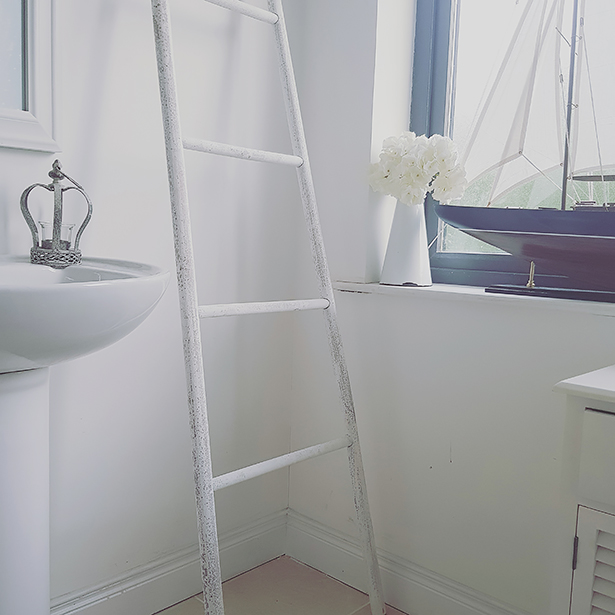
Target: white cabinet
597	466
589	468
593	588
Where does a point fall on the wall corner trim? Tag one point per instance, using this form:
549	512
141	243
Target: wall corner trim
407	586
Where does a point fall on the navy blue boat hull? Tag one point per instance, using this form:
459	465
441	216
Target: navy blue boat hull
577	244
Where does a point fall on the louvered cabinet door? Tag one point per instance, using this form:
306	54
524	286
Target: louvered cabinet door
593	585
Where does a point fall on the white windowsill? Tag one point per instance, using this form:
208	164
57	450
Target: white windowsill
451	292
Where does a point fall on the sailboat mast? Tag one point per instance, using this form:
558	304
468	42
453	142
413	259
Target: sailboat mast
573	53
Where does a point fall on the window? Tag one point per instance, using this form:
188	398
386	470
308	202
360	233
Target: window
442	103
13	65
26	75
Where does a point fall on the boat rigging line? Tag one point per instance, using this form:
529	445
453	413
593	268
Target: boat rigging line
573	49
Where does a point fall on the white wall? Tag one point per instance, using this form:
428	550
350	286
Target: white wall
121	472
335	80
461	432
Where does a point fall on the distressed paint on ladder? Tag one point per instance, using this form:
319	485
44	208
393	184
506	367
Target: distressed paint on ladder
261	307
308	198
247	9
222	149
283	461
204	482
186	282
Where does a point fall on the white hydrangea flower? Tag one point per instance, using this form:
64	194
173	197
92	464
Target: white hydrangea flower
409	167
449	185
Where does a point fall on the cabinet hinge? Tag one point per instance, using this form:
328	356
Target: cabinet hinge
575	552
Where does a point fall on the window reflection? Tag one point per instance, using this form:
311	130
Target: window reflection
13	59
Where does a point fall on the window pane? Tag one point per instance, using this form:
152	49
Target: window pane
480	25
509	86
484	29
12	81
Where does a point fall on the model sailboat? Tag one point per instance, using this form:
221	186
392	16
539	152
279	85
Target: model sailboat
541	154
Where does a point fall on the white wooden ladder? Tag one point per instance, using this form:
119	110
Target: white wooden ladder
191	312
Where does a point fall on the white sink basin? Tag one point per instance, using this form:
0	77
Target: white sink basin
51	315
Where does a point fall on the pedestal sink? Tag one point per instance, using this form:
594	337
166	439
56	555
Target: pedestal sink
48	316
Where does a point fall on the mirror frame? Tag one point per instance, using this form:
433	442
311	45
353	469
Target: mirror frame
36	129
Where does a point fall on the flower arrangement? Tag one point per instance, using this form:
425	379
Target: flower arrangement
411	166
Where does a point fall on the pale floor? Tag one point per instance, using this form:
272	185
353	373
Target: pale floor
284	587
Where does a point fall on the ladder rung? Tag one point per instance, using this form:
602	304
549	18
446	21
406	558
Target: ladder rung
234	151
261	307
247	9
258	469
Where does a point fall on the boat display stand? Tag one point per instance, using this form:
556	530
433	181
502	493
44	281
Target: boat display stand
604	296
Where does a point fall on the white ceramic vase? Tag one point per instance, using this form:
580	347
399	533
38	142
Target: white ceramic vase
407	256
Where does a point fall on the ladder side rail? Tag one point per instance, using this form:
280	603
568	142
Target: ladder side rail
186	279
308	198
276	463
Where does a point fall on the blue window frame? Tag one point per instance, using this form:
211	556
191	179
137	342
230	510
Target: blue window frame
428	116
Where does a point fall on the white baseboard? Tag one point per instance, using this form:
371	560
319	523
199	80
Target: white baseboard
407	587
251	546
175	577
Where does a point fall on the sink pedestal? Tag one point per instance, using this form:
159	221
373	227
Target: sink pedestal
48	316
24	492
